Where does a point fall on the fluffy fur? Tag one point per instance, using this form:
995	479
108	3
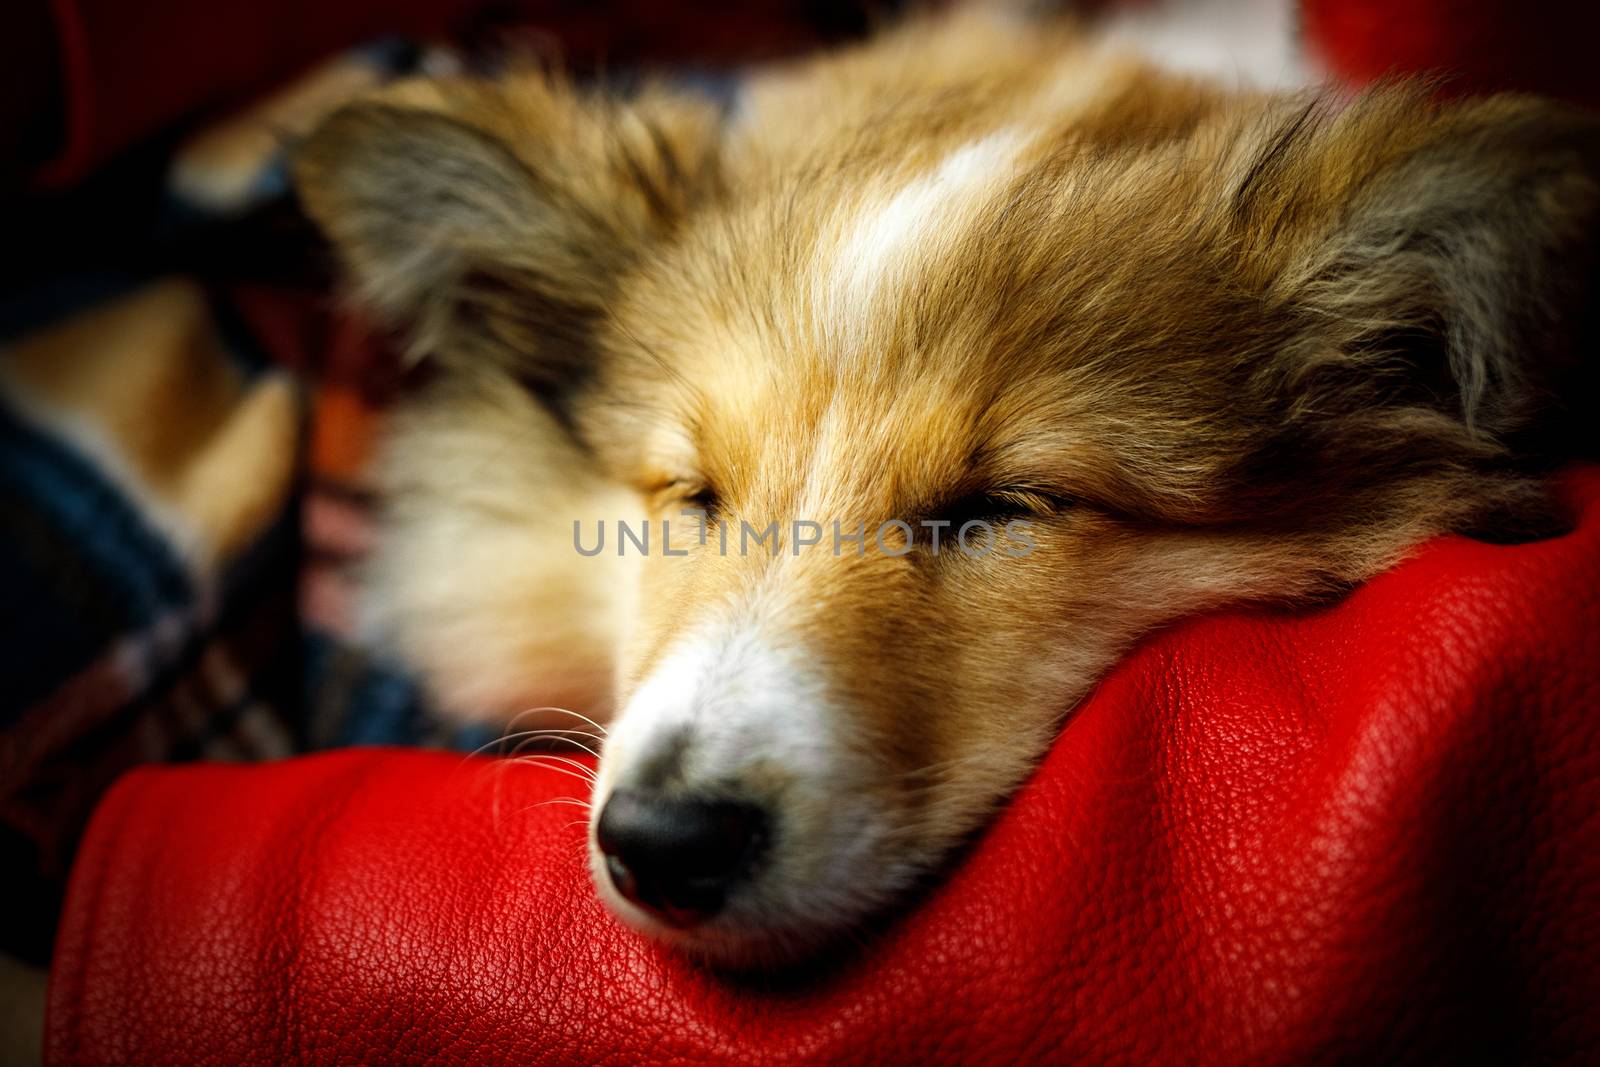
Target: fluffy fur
1215	345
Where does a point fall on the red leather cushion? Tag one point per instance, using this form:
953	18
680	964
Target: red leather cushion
1368	832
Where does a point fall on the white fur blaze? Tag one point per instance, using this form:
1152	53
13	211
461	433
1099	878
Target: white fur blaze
913	225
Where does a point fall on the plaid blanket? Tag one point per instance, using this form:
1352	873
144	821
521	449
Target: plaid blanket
185	410
182	498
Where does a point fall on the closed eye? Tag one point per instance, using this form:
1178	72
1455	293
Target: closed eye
670	495
999	506
693	496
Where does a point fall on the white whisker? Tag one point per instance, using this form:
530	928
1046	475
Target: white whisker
581	768
531	737
574	801
519	716
571	768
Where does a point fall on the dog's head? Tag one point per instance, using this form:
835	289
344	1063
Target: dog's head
1171	348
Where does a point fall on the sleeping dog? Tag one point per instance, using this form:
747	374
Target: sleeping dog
835	441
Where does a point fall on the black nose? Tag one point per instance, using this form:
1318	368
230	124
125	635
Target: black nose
678	858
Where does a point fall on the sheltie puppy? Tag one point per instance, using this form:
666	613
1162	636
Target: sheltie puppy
935	372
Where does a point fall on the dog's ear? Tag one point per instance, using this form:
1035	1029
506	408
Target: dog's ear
1437	255
1428	268
489	221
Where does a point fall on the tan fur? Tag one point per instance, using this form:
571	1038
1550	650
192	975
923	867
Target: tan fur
1213	345
165	402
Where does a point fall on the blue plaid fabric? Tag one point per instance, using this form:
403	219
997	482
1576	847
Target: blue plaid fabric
152	482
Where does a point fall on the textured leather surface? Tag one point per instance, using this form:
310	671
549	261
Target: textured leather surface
1368	832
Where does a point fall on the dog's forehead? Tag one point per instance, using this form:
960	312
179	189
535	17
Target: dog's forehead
997	290
997	243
